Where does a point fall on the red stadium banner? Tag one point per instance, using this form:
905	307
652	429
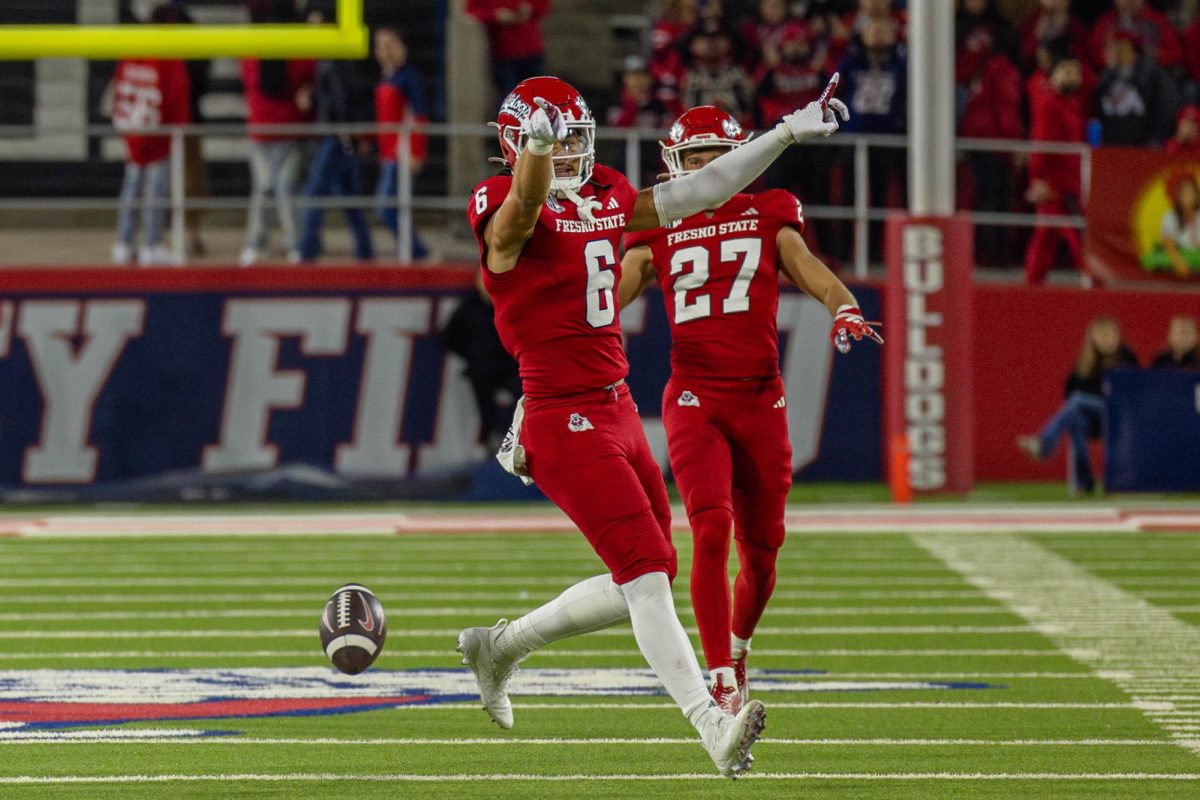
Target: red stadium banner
1143	216
928	353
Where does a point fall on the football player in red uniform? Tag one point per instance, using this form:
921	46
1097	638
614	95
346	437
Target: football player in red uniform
724	409
549	231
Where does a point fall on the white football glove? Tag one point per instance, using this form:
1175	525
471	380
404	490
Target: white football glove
818	118
544	128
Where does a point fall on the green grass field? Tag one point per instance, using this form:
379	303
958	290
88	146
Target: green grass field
916	664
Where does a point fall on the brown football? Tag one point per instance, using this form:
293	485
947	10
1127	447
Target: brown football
353	628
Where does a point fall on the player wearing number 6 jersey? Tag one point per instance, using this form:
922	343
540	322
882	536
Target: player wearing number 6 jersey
549	233
724	407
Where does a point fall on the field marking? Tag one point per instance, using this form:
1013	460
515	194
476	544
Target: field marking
329	583
341	778
106	737
313	610
856	520
24	598
1118	634
632	654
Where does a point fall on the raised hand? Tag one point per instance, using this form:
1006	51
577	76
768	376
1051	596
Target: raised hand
849	322
818	118
544	128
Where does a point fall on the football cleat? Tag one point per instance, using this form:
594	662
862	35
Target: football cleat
739	674
727	698
728	739
492	670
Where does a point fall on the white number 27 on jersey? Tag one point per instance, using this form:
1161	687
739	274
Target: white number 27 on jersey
738	300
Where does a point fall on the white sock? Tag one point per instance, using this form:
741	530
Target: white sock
738	647
585	607
665	645
724	674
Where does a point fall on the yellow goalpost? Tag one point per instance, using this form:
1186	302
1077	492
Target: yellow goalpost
346	39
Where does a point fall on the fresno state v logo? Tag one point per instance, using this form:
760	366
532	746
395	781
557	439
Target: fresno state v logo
46	704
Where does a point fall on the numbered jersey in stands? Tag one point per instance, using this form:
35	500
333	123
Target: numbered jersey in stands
719	275
556	312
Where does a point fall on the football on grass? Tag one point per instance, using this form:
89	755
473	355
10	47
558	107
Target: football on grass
353	628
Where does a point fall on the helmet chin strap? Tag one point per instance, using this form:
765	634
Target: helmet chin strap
585	207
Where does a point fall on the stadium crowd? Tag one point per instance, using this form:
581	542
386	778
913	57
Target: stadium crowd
1123	72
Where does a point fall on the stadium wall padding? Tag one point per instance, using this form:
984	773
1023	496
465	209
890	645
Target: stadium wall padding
224	383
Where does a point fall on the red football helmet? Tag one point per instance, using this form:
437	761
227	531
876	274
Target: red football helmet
581	126
700	128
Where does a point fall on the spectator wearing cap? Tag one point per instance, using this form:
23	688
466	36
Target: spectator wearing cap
786	82
1183	345
640	107
1056	114
666	63
1159	40
1136	99
714	76
989	94
1052	21
514	31
1186	141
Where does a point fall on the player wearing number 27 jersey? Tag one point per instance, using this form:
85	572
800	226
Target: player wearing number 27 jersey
724	408
549	235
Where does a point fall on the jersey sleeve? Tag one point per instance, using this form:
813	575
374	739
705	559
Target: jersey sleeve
484	202
783	207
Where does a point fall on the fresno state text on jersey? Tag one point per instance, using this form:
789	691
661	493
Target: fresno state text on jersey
556	312
719	278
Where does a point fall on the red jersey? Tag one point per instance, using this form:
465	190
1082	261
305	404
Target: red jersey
556	312
719	276
147	94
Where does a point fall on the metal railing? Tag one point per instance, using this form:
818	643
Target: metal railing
860	212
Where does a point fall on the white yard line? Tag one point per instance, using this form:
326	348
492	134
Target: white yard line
341	779
131	737
1120	635
853	521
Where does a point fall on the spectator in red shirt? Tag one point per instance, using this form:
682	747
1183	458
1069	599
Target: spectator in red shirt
763	35
277	93
666	63
1186	141
147	94
1053	21
640	107
399	97
787	80
1056	115
1160	41
514	37
1191	50
989	93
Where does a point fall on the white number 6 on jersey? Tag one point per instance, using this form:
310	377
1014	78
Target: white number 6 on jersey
481	200
601	263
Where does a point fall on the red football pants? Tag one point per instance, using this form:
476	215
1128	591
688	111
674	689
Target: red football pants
588	453
732	460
